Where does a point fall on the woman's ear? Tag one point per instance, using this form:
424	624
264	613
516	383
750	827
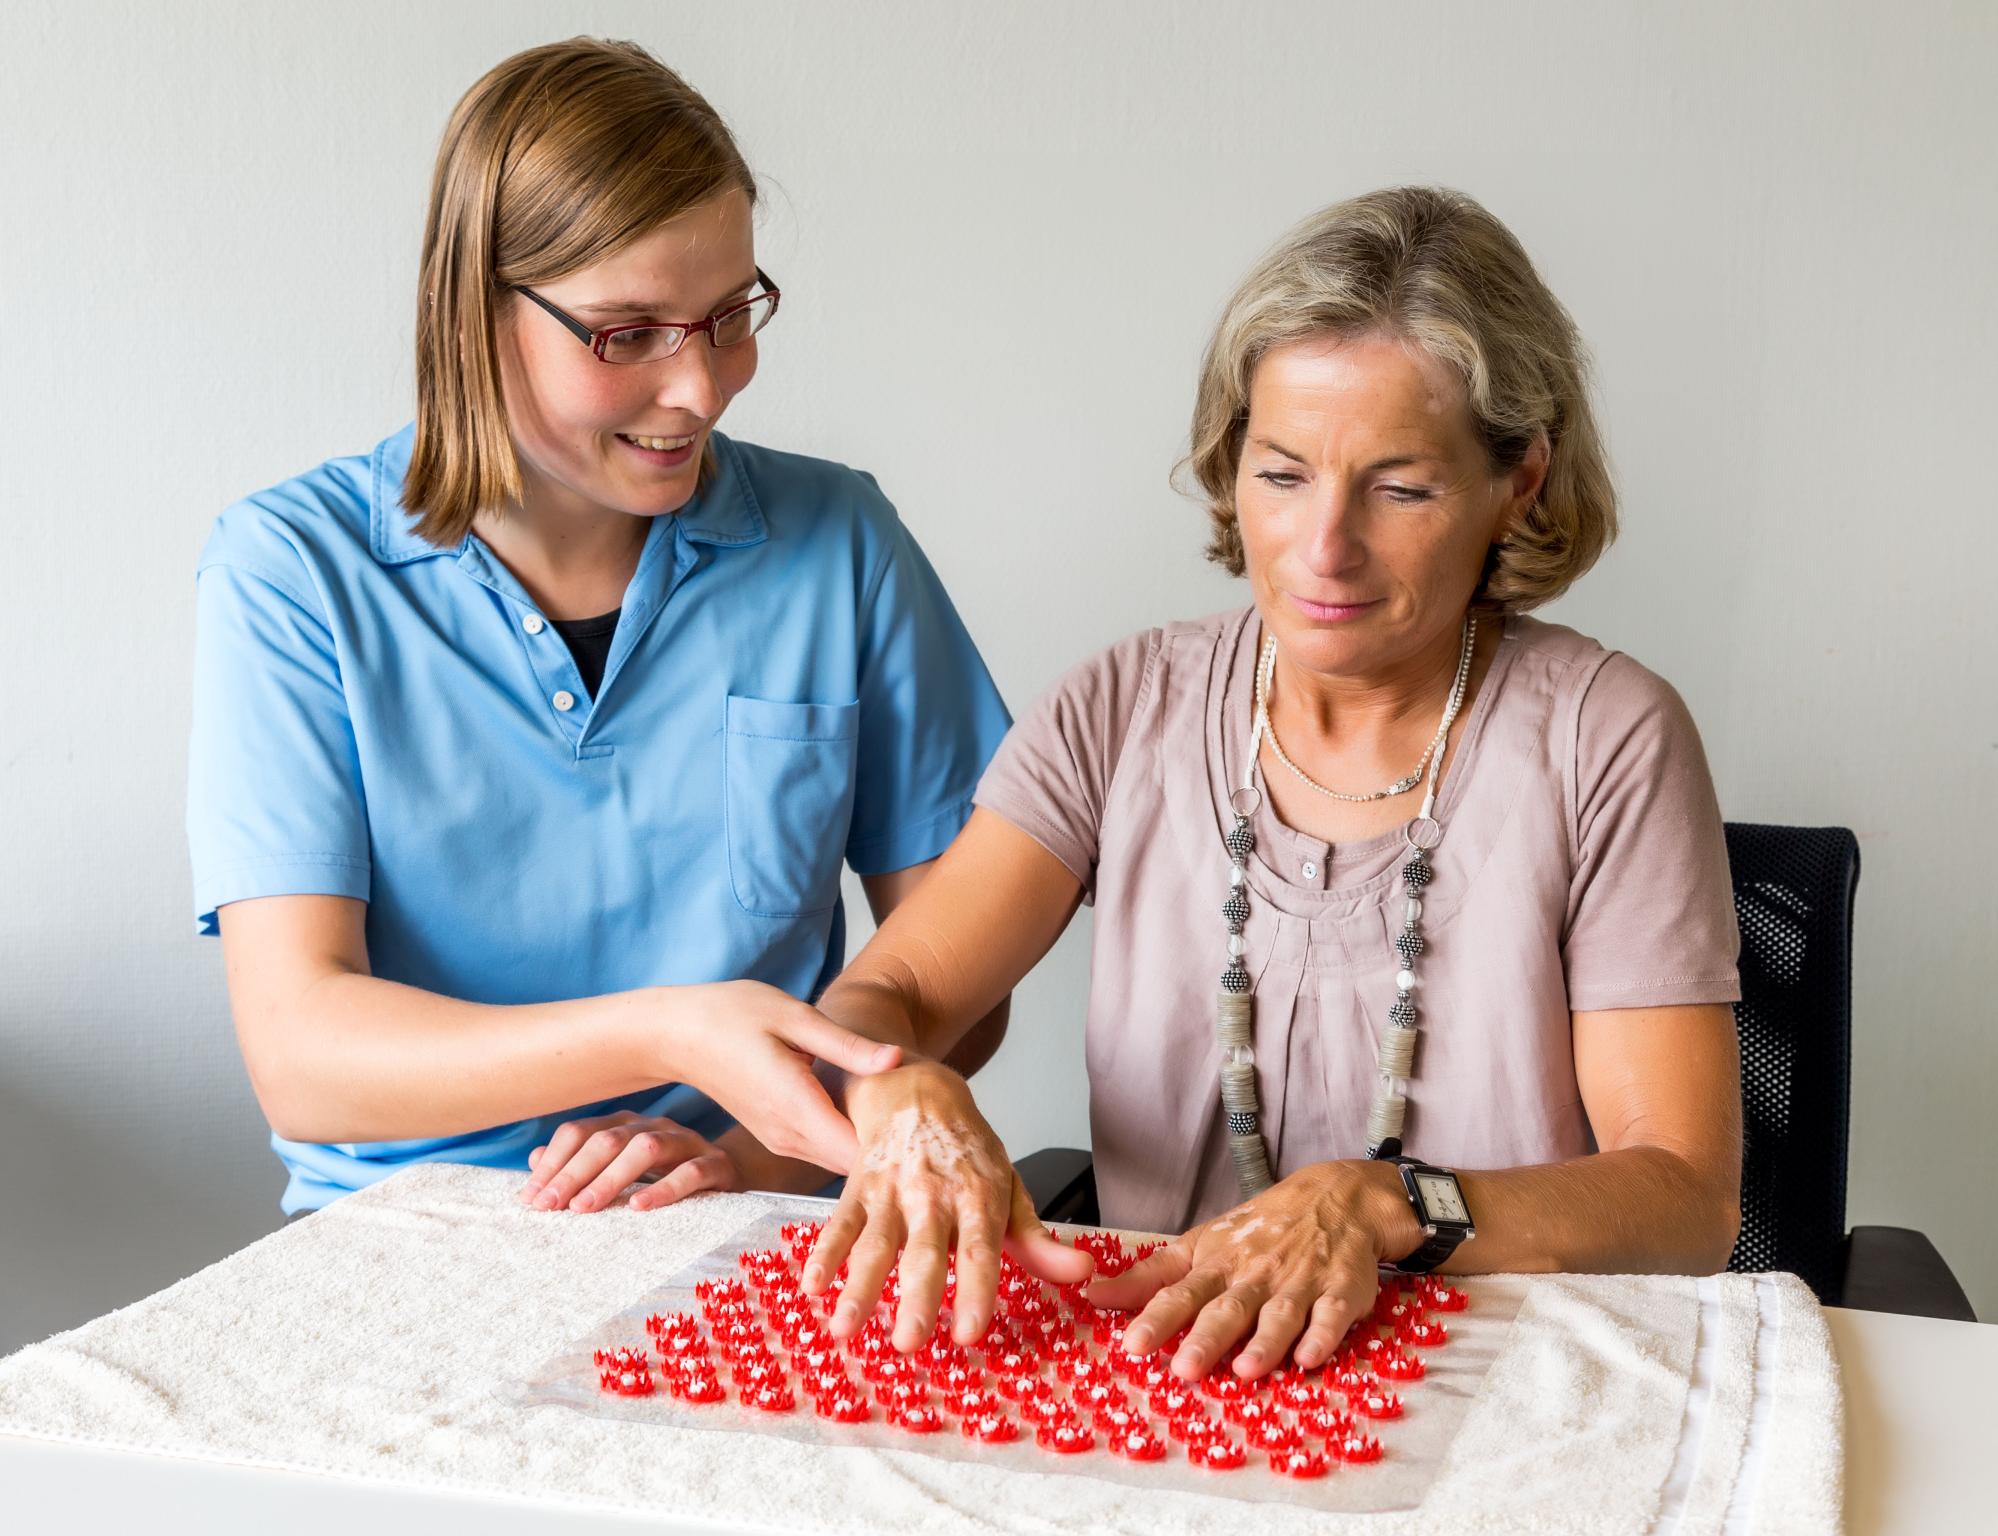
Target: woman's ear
1523	487
1530	476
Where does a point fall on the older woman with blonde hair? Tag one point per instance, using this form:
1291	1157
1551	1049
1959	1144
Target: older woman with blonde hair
1414	941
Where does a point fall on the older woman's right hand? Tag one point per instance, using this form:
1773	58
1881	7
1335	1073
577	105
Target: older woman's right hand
932	1177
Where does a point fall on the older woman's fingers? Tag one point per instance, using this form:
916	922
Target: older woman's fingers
1038	1250
1280	1321
644	1152
835	1241
925	1261
1350	1286
980	1234
1172	1308
1138	1284
1331	1315
713	1169
568	1137
867	1268
1223	1320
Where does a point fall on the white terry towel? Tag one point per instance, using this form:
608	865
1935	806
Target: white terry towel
387	1338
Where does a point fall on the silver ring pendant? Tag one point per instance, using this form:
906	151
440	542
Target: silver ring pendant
1423	833
1246	801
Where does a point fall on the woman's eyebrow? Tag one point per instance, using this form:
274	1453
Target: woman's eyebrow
637	307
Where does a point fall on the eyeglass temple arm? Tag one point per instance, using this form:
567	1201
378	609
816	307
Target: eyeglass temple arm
573	326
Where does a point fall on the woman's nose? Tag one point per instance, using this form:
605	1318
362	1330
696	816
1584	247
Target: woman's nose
1331	541
688	382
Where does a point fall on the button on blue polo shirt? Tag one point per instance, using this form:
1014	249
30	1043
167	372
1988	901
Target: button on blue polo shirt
788	688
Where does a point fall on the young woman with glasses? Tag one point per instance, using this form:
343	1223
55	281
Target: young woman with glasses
529	746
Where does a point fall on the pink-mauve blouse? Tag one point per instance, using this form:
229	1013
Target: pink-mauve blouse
1582	866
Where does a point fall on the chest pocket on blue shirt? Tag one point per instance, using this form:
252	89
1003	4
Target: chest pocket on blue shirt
787	795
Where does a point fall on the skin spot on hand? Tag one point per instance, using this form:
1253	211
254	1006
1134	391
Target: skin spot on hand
911	1139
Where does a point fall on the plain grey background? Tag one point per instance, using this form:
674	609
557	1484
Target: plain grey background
1003	232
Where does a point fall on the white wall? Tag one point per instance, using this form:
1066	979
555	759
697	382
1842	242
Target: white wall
1777	231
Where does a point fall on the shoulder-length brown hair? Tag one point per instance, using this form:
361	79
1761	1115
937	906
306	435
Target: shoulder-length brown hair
559	157
1434	268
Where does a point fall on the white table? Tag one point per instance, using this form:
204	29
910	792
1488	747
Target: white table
1917	1448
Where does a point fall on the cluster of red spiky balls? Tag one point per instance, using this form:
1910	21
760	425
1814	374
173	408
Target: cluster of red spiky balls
1050	1360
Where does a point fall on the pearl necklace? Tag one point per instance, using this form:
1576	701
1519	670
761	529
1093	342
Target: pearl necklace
1266	676
1233	1017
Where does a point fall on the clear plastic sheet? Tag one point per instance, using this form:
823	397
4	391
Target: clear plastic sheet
1413	1445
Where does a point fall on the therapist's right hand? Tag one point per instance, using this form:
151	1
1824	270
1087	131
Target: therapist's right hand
751	1048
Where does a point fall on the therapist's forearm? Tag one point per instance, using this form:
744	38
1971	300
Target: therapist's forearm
363	1059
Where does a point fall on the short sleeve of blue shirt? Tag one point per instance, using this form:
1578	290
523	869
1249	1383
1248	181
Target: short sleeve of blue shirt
927	706
275	802
788	689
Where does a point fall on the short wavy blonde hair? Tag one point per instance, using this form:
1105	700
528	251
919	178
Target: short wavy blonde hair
1431	267
559	157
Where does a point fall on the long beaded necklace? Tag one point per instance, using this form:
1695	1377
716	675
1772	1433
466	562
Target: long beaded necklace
1233	1017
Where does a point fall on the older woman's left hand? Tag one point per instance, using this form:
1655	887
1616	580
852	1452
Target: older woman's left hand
1300	1258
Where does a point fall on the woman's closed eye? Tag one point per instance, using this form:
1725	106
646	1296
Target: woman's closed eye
1401	495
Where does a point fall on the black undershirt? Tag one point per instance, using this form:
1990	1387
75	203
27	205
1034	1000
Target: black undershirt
589	641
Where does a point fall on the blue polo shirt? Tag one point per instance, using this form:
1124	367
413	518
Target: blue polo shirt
788	689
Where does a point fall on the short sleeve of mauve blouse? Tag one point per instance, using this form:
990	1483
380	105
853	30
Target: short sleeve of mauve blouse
1650	918
1051	776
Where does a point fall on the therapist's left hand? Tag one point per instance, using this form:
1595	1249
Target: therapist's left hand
1298	1264
587	1162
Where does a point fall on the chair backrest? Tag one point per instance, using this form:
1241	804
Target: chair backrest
1793	895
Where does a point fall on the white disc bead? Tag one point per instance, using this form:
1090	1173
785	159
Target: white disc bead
1404	980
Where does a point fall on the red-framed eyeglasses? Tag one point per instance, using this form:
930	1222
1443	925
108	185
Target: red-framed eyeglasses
648	342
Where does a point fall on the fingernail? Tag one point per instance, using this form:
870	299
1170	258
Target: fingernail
547	1201
584	1202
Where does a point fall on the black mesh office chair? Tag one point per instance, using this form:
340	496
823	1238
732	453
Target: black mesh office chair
1793	893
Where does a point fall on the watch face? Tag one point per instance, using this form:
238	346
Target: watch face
1441	1199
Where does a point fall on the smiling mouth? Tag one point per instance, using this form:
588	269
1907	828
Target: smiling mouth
659	444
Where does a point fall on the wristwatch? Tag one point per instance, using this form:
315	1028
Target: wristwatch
1439	1207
